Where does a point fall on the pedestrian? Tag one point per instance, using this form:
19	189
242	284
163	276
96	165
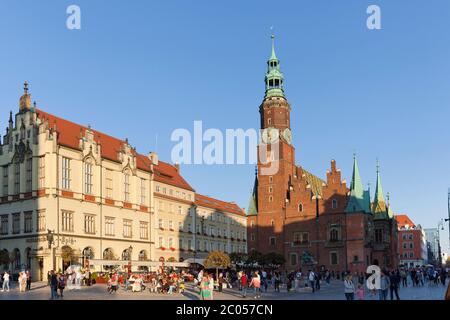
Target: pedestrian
256	284
312	279
349	288
276	282
22	280
28	273
5	282
360	292
317	278
243	281
205	290
53	285
61	284
384	286
220	282
394	280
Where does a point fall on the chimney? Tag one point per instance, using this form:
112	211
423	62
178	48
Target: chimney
153	158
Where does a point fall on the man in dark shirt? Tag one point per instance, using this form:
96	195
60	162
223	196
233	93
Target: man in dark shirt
395	282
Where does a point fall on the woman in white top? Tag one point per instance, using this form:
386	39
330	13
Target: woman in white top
349	288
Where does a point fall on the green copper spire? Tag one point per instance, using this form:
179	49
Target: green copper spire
253	202
379	204
359	198
274	77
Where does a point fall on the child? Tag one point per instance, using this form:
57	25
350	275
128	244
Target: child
360	292
181	286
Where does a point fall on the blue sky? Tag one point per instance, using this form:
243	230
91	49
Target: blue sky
140	69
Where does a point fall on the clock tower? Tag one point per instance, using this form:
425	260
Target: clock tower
271	189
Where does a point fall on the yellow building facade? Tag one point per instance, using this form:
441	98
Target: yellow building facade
73	195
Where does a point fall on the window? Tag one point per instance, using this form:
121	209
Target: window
410	237
110	226
293	259
67	220
170	225
171	243
126	186
300	207
411	255
41	225
5	181
65	173
161	223
143	229
29	174
190	245
88	177
180	226
41	172
28	222
5	223
109	184
272	223
16	223
334	234
252	237
404	246
180	211
270	198
378	235
334	204
269	121
270	179
411	245
270	189
181	243
301	238
161	242
89	223
157	188
404	237
272	241
143	191
16	178
355	258
127	228
334	258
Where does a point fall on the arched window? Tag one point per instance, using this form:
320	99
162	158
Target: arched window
334	204
272	223
108	254
28	257
88	176
300	207
126	254
143	255
334	235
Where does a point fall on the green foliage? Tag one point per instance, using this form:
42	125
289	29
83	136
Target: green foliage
217	259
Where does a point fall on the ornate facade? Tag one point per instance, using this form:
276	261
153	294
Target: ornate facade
313	222
71	194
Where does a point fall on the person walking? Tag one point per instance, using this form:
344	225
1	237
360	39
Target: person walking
205	290
5	282
28	274
243	281
53	285
384	286
256	284
349	288
394	280
61	284
312	279
276	282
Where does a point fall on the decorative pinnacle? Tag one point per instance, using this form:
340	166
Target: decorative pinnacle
25	87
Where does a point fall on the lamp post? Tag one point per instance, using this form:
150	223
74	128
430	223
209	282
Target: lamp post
440	224
50	240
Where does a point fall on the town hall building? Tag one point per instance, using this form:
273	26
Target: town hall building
315	223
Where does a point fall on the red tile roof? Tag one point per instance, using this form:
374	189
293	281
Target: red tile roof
403	220
223	206
69	134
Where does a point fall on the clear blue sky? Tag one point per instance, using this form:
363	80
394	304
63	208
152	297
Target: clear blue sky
138	69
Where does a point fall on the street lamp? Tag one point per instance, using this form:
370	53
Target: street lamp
50	238
440	224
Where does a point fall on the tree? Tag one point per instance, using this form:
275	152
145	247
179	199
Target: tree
255	257
237	257
217	259
273	259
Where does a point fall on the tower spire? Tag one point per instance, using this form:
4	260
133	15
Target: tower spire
359	198
379	204
274	77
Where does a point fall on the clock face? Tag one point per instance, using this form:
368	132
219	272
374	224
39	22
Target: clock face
270	135
287	135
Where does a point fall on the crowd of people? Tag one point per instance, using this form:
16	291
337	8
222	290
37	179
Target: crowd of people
23	280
